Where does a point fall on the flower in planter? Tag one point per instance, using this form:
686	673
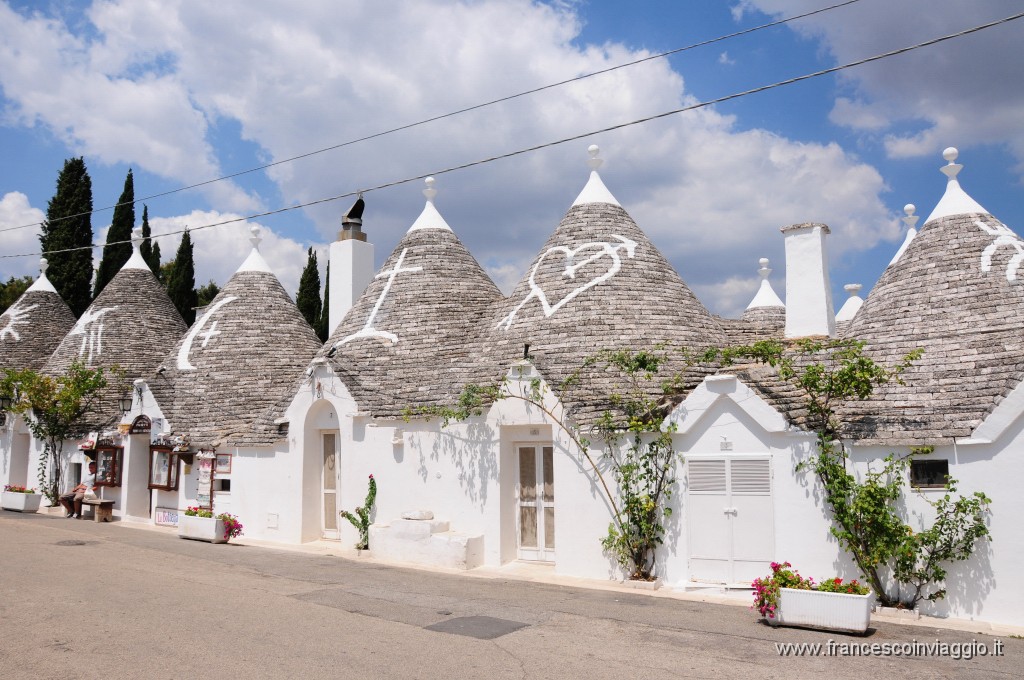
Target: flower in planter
766	590
195	511
232	527
14	488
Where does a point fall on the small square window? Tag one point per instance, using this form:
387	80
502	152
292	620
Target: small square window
929	474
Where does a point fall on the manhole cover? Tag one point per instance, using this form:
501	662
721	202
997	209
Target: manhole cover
73	542
480	627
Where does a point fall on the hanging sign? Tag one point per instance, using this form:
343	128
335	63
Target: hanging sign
141	425
204	497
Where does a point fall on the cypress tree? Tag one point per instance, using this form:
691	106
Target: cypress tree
150	251
308	298
69	225
181	282
323	324
114	256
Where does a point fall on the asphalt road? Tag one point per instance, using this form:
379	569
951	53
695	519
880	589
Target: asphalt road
86	600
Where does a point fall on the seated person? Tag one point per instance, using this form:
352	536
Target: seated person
72	500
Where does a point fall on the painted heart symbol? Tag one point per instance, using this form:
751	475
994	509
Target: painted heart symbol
572	266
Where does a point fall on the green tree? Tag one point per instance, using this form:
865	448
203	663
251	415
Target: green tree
323	324
118	248
181	281
55	410
12	290
308	298
149	250
902	565
68	228
205	294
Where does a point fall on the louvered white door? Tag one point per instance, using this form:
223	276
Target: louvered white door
730	518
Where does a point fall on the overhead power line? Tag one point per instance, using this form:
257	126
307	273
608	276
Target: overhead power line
450	114
582	135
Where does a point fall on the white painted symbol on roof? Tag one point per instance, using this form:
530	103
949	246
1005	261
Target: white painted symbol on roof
368	331
604	248
186	347
90	327
1004	237
15	315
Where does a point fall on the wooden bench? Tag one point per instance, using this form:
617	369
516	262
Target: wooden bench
103	511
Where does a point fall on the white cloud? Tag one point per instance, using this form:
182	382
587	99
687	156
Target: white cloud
15	211
725	60
302	76
218	252
963	92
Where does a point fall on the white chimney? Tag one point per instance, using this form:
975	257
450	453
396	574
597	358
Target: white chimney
352	267
808	289
852	304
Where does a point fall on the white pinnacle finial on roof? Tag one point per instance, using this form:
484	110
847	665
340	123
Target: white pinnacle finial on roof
255	261
429	218
766	296
595	191
852	304
42	283
136	261
955	200
910	220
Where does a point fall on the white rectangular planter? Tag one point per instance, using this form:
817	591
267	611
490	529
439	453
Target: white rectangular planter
831	611
20	502
209	529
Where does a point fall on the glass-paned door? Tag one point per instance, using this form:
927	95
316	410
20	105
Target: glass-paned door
329	485
535	498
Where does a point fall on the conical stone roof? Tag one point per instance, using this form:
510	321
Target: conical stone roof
955	293
406	342
132	324
598	283
32	327
222	380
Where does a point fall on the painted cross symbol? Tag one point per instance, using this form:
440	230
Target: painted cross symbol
208	335
368	331
186	346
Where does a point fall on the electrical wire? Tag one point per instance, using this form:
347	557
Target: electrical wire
457	112
564	140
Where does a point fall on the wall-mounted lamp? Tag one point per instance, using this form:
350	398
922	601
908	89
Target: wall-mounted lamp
125	403
6	403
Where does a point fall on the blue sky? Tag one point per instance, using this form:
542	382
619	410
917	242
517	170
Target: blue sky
183	92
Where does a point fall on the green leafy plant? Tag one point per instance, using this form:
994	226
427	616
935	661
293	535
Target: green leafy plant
360	519
14	488
196	511
902	565
55	410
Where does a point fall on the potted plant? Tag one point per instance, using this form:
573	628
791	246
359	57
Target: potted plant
788	599
199	524
20	499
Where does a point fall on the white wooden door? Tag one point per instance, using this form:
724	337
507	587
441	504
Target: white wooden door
535	502
731	526
329	485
